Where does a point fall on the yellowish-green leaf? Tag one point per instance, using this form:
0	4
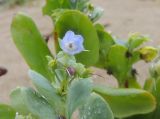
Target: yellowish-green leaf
127	102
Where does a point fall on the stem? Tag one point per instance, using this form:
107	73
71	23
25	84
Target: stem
61	117
57	76
121	84
124	83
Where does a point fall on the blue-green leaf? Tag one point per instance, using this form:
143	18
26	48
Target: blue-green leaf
31	44
96	108
78	92
27	101
47	90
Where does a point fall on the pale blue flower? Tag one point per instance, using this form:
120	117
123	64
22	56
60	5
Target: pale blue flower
72	44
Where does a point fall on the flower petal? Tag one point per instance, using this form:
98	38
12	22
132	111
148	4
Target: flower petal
79	38
72	44
68	36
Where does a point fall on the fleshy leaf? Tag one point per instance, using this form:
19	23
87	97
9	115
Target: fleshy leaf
156	90
156	113
80	24
149	84
46	89
65	59
7	112
135	40
78	93
96	108
105	41
127	102
31	44
52	5
117	62
27	101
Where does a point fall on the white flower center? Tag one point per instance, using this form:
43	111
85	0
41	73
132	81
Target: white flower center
70	46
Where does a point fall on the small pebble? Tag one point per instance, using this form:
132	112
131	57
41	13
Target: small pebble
3	71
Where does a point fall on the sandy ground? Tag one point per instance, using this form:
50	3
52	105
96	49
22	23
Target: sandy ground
123	17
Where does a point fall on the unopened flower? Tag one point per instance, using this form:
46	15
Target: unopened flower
148	53
72	44
71	71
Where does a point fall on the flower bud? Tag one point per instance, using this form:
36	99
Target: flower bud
148	53
71	71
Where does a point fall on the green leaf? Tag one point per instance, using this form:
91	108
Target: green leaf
27	101
80	24
156	93
79	4
82	5
51	5
96	14
105	41
135	57
56	14
18	116
133	83
31	44
117	62
96	108
78	92
7	112
80	68
155	90
120	65
70	61
47	90
65	59
149	84
155	68
99	27
135	40
61	74
127	102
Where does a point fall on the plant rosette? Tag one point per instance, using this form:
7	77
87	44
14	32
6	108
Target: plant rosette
63	83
